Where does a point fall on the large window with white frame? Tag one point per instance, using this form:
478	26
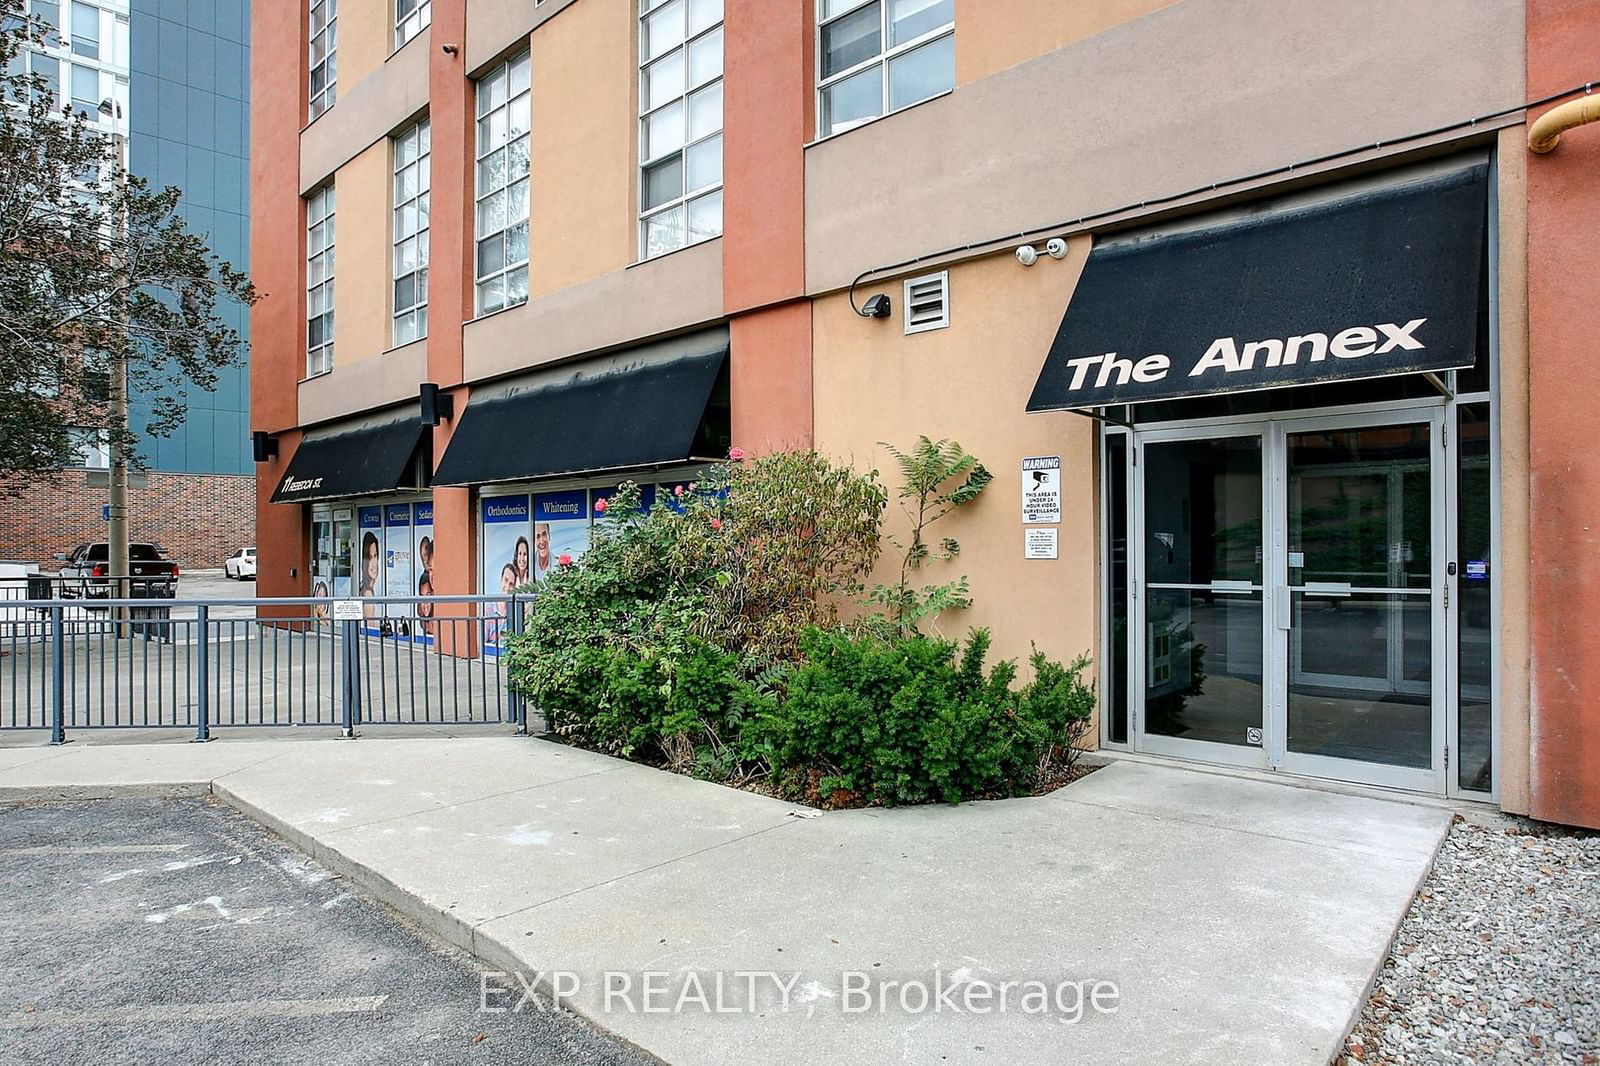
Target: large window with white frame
502	186
411	17
878	56
412	182
680	124
323	65
319	282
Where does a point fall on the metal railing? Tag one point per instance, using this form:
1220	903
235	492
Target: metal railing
209	664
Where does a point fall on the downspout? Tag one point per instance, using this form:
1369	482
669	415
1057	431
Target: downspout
1545	133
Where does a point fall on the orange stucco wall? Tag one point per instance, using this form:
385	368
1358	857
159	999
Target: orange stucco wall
1564	377
277	331
770	382
450	296
766	123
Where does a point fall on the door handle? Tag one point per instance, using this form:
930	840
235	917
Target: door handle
1244	587
1327	588
1281	614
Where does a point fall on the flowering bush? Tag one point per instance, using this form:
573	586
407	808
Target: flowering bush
726	577
703	635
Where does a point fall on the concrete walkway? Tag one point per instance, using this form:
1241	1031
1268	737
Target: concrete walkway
1240	921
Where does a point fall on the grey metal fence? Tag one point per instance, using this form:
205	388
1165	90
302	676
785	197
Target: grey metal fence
219	664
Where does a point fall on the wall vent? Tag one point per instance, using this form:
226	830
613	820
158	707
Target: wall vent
927	302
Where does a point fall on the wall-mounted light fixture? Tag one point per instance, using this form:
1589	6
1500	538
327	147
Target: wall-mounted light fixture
436	406
263	446
448	49
876	307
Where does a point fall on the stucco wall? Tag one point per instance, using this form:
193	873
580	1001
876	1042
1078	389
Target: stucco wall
582	167
1197	92
362	253
1564	377
969	383
992	35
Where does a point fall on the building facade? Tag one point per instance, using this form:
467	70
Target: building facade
179	74
1265	318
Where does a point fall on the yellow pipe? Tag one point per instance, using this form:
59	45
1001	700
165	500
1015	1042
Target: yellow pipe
1546	132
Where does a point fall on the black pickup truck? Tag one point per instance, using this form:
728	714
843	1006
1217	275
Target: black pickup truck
85	574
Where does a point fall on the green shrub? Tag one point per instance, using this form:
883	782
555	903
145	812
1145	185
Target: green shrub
655	642
917	720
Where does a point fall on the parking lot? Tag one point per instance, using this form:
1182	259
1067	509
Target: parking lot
178	931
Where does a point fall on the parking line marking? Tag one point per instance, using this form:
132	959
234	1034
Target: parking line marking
105	849
194	1012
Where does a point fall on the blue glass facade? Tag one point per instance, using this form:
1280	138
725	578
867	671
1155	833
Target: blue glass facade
189	116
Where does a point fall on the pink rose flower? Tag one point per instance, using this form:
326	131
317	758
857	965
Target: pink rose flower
736	454
600	505
716	525
564	559
677	490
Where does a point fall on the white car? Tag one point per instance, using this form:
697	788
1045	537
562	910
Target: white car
241	565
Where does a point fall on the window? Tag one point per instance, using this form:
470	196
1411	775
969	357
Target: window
927	303
86	90
90	448
502	202
411	17
48	68
324	54
85	30
680	123
319	282
49	12
880	56
411	185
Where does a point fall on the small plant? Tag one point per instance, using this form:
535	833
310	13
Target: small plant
939	476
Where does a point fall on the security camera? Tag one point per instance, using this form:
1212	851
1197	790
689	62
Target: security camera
1027	255
876	307
1056	247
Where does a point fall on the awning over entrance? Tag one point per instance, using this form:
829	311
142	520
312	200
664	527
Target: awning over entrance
373	457
1383	281
643	407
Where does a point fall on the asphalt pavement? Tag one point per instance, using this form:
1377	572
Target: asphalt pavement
179	931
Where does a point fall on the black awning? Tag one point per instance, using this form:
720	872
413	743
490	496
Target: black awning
371	458
640	408
1385	281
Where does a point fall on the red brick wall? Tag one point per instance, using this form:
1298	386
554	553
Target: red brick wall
200	519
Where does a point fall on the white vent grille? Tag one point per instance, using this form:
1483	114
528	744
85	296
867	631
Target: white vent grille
928	302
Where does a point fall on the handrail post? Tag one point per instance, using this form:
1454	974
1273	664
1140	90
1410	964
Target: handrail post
203	672
518	704
352	679
58	672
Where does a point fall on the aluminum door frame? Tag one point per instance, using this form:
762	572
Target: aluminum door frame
1241	755
1277	601
1434	778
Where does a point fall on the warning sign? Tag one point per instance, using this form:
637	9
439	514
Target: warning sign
1041	489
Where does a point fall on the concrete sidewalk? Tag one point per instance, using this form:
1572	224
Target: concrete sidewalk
1240	921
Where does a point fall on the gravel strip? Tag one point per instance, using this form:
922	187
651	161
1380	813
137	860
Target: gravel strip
1498	959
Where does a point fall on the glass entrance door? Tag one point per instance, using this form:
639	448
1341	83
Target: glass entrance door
1286	610
1202	599
1361	693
